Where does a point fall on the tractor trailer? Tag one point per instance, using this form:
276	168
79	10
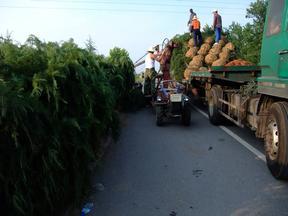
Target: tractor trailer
256	96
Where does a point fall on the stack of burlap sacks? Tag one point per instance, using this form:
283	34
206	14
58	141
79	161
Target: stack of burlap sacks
208	55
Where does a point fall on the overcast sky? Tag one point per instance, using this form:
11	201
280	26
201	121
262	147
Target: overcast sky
130	24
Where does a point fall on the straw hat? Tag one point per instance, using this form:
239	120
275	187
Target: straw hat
150	49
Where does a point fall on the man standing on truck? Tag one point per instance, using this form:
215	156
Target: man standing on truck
189	24
196	32
217	25
150	73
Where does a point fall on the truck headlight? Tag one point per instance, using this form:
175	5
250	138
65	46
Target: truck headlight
159	99
186	99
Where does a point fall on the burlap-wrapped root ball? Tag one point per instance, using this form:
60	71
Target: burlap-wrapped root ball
204	69
197	61
239	62
187	74
210	58
189	71
222	43
209	40
225	50
230	46
224	55
219	62
191	43
199	58
204	49
191	52
217	46
216	49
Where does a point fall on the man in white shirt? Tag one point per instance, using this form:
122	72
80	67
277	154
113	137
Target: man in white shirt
150	72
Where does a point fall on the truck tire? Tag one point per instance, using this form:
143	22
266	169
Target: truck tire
276	140
213	103
159	116
186	115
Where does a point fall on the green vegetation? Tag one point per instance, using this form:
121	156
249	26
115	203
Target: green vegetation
179	61
247	39
57	101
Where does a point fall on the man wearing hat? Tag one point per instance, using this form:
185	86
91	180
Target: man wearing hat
196	31
217	25
192	14
150	73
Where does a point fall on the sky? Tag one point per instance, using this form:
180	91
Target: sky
129	24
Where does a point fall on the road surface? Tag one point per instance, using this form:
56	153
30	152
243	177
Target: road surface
182	171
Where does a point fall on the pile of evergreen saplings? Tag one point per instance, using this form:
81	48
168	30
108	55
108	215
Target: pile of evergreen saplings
57	101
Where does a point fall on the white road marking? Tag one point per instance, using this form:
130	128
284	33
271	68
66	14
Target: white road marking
258	154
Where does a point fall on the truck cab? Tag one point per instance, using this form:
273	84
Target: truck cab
272	85
274	52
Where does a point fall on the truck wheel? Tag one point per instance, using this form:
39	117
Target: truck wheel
213	102
159	116
276	140
186	115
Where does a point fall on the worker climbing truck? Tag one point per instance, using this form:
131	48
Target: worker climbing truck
256	96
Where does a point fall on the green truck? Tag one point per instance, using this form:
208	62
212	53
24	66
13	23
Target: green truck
256	96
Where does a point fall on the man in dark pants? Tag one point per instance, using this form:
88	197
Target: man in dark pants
192	14
196	32
217	25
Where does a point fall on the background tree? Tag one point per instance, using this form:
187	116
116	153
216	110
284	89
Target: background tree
248	38
178	61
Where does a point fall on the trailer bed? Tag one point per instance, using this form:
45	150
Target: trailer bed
239	74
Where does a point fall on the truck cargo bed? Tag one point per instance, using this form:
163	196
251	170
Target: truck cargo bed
231	73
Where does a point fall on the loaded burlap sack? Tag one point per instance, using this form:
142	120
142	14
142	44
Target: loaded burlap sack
197	61
210	58
204	49
225	50
222	43
191	52
203	69
219	62
239	62
191	43
224	55
230	46
209	40
189	71
216	49
187	74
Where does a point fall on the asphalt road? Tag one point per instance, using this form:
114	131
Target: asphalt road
182	171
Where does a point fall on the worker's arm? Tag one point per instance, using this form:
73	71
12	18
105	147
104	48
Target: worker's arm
155	56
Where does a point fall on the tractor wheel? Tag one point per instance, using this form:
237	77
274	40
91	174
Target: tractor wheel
213	104
186	115
159	116
276	140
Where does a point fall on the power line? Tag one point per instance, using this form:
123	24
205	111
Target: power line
136	3
100	9
179	1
